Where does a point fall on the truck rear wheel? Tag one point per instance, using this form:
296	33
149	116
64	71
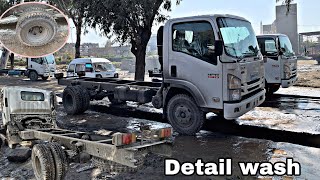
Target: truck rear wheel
60	160
72	100
85	98
184	115
42	162
33	76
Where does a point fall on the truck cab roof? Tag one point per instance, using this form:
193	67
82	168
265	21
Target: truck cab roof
214	16
270	35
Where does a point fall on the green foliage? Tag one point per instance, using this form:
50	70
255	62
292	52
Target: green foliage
4	5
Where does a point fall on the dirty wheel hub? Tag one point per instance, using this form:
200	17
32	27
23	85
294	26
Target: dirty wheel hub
183	115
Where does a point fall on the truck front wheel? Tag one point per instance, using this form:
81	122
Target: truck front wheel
271	89
184	115
33	76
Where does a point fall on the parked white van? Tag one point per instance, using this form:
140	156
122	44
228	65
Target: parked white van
94	68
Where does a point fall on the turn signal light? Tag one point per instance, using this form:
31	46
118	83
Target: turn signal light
120	139
165	133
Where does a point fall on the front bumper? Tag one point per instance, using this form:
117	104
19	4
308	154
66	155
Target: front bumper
288	83
235	110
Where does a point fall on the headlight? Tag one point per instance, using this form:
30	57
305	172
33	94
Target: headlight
234	87
287	72
234	82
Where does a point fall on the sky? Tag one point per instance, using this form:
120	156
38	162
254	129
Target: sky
255	11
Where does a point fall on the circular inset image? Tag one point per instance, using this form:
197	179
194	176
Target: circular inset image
33	29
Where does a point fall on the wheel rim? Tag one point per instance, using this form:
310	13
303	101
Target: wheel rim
183	115
37	35
33	76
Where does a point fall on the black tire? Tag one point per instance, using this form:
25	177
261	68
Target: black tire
72	100
42	162
36	28
60	160
85	98
33	75
45	78
184	115
99	76
271	89
116	75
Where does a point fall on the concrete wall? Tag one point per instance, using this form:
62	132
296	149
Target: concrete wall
288	24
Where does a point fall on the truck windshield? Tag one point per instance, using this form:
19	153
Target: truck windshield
103	67
238	37
286	46
50	59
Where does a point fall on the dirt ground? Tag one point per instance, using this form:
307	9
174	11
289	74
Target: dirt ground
309	74
286	126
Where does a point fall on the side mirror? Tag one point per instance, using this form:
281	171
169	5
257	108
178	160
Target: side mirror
282	51
217	49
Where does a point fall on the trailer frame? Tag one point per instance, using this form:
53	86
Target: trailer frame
101	146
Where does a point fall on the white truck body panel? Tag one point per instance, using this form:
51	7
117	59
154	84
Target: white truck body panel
24	101
276	64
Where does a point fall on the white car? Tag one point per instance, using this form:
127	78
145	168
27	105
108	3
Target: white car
94	68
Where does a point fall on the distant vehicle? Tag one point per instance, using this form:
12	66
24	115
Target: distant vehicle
280	61
44	67
94	68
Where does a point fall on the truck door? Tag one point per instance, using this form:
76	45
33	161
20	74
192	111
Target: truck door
36	64
192	62
269	50
51	64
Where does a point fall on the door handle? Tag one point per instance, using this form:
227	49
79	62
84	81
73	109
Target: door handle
173	71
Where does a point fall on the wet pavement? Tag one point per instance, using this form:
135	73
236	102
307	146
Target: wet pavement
285	126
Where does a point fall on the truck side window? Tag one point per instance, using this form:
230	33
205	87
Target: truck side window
268	47
37	60
80	67
71	68
32	96
194	38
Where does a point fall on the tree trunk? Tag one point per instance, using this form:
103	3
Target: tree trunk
140	63
11	57
78	41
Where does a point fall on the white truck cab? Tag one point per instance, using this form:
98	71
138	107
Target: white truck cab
216	59
26	108
280	61
94	68
43	67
